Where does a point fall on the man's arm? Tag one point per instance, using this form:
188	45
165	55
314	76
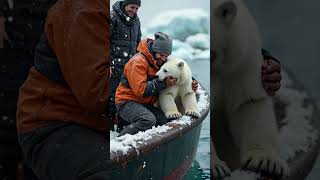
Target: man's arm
154	87
139	35
137	78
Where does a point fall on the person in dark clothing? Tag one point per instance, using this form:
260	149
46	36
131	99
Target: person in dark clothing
61	121
125	37
21	24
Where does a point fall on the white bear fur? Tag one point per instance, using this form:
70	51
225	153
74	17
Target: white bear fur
180	92
244	123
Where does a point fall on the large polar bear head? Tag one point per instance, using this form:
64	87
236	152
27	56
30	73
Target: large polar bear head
177	68
234	33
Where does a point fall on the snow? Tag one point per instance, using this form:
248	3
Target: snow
183	120
242	175
10	3
10	19
124	143
298	135
189	29
125	54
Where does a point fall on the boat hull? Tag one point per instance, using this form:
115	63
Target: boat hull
167	156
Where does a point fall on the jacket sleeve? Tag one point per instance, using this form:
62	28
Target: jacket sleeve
267	55
153	87
139	35
137	77
112	25
87	65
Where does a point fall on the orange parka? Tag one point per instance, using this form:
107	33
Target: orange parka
138	82
78	33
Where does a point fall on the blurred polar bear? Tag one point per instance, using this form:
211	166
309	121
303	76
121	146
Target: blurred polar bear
244	124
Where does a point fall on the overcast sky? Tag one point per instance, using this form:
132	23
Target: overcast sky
149	8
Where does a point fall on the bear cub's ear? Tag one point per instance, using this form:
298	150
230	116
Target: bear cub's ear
226	11
180	64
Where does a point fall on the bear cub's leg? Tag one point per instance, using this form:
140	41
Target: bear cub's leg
189	103
169	106
253	126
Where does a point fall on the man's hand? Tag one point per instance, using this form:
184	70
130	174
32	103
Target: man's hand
170	81
271	76
3	33
194	85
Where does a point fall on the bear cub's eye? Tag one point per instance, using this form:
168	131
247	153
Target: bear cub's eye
165	70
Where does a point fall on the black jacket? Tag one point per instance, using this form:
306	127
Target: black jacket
125	37
2	7
24	26
25	21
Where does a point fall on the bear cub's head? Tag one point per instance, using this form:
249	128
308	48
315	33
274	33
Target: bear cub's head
174	67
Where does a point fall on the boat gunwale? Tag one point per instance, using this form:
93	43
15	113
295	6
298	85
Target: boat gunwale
118	158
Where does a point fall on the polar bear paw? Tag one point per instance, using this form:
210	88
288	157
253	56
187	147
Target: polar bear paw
173	115
220	170
266	165
193	113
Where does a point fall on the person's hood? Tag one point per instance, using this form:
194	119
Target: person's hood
143	48
117	7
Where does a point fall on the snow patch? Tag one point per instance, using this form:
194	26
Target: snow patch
298	135
242	175
126	142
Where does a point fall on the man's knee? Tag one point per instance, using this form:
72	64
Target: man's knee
148	120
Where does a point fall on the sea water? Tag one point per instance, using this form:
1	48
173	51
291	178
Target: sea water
200	168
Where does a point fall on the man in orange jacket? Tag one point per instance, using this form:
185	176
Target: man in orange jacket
139	87
60	115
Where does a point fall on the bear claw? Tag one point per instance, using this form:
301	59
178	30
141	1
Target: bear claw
174	115
193	114
267	166
220	171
